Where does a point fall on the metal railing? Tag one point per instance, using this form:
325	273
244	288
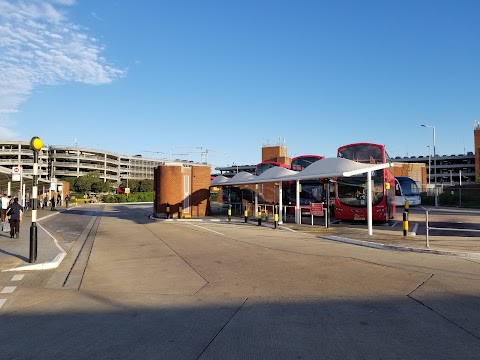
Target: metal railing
428	228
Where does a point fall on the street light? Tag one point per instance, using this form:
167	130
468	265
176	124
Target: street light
36	145
434	164
429	167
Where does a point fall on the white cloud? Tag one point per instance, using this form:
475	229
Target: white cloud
40	46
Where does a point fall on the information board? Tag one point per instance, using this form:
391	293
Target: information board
316	209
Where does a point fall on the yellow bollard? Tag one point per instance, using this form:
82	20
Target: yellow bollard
405	218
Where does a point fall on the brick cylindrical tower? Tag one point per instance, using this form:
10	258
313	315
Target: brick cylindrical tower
182	186
476	138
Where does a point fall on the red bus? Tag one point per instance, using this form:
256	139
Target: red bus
311	190
301	162
351	192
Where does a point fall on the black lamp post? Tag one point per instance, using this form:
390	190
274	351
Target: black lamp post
36	146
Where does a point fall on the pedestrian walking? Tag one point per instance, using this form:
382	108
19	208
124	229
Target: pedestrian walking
67	200
52	203
59	200
5	200
15	211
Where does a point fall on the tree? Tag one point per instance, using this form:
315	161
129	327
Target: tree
89	182
146	185
70	180
133	185
83	184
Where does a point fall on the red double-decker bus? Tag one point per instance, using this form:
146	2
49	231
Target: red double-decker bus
351	192
311	190
301	162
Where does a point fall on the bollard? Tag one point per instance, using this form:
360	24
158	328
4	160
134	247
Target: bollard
275	217
259	216
168	211
229	212
180	209
405	218
245	213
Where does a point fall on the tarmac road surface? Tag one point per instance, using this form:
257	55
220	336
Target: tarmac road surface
134	288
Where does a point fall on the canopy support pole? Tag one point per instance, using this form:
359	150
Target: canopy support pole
369	202
298	215
280	203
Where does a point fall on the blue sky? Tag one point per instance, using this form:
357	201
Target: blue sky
180	77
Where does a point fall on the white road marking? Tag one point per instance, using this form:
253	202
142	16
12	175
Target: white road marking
17	277
394	223
8	289
204	228
2	301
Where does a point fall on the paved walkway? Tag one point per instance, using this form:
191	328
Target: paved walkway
16	252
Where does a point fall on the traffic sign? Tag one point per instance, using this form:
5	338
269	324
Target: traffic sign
53	184
16	173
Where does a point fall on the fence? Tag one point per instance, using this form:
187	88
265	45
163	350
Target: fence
468	197
428	228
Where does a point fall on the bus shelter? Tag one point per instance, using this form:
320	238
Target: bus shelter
18	188
323	169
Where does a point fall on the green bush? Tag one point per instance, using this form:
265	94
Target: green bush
427	200
134	197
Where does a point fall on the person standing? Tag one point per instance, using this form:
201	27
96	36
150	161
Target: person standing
5	201
15	212
67	200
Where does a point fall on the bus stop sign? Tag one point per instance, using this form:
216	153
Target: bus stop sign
16	173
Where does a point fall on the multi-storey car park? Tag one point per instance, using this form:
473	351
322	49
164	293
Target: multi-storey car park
19	154
67	161
450	169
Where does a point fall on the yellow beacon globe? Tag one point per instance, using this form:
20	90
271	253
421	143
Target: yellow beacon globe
36	143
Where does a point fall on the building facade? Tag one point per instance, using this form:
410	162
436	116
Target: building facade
67	161
19	154
446	170
181	190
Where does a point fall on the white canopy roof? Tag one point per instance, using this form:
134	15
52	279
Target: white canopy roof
326	168
219	180
275	172
6	177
